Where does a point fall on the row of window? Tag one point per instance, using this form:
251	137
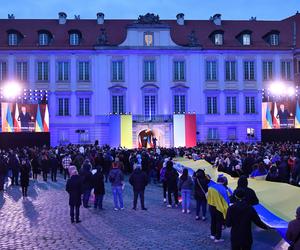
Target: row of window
179	70
213	133
150	105
45	38
245	38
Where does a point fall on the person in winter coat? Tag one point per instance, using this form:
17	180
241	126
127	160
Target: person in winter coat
185	185
201	188
250	196
162	178
218	201
99	188
171	177
14	165
74	188
240	217
3	172
293	231
35	167
87	182
45	163
54	164
138	180
24	175
116	179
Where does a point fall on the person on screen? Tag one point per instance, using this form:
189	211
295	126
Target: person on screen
283	115
24	118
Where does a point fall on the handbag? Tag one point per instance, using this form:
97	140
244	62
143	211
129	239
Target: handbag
292	246
206	194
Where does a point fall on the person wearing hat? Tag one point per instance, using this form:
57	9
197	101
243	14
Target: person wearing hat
218	201
138	180
240	217
293	231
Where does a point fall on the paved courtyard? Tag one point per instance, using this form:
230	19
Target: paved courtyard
42	222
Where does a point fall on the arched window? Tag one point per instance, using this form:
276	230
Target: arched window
14	37
44	38
74	37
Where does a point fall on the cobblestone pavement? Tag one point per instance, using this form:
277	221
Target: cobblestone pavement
42	222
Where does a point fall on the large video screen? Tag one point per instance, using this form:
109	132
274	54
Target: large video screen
19	117
280	114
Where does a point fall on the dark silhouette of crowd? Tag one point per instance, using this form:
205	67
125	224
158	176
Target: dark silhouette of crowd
86	169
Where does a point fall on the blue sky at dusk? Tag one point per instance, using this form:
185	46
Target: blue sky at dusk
166	9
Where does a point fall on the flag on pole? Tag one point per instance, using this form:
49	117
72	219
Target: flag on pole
268	118
297	116
46	120
9	119
17	122
276	122
38	121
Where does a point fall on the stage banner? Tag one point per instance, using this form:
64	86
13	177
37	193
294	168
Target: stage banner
126	131
179	130
115	131
190	130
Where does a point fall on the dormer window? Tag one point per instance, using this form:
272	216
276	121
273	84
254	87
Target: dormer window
44	39
74	38
246	39
13	39
274	39
218	39
148	39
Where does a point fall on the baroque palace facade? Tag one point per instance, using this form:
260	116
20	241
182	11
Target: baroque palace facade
151	68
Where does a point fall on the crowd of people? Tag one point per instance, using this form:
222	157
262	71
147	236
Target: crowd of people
86	169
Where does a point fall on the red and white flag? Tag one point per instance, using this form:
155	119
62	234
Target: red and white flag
46	120
276	122
17	122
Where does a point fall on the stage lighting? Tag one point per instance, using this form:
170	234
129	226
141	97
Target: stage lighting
290	91
11	90
277	88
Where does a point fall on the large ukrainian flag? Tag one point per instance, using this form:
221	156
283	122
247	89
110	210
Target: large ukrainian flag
297	116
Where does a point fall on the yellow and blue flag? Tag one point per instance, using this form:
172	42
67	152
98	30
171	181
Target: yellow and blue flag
38	121
297	116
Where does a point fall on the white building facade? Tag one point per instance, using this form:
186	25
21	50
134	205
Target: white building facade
151	69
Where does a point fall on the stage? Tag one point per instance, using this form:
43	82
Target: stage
22	139
280	135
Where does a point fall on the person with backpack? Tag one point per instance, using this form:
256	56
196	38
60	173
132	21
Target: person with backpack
201	189
116	179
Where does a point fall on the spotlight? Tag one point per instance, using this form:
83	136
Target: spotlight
277	88
290	91
11	90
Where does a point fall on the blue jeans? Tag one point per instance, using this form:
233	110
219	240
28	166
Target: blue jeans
201	204
186	198
118	196
98	201
86	197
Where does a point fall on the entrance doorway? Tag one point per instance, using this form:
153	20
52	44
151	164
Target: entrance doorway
146	139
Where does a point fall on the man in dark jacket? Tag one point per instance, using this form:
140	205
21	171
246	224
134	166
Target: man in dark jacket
14	165
250	195
293	231
239	217
99	188
87	182
138	181
54	164
74	188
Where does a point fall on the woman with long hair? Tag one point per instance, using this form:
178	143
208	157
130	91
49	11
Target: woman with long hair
185	185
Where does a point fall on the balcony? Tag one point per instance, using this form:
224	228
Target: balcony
153	119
